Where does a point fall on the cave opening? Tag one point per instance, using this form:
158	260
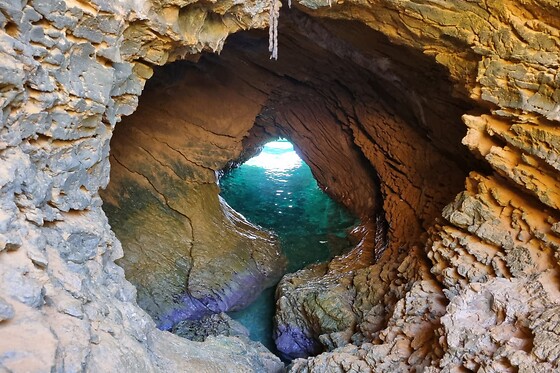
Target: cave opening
276	190
377	123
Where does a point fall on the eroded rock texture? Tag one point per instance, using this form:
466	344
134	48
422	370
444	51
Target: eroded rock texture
498	238
69	71
455	265
186	251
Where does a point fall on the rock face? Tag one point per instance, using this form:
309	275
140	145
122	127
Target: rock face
455	266
216	324
186	251
69	71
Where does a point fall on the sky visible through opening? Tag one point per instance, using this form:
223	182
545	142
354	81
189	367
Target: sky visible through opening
277	191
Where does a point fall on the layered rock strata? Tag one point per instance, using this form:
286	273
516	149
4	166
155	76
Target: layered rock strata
494	255
469	286
69	71
332	305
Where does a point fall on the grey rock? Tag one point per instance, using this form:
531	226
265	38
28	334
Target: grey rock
37	257
87	243
6	310
41	81
46	7
11	70
23	287
89	30
84	76
212	325
13	9
30	15
37	35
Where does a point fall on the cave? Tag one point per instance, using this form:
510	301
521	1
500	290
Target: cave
435	124
391	157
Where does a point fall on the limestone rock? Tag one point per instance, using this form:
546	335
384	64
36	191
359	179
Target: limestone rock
216	354
66	82
212	325
372	94
6	310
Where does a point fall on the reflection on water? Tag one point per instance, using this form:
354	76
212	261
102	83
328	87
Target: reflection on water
276	190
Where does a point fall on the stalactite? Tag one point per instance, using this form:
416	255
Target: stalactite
273	29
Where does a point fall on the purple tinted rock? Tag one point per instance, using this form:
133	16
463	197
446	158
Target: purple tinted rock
292	342
188	308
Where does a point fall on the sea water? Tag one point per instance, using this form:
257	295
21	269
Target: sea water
277	191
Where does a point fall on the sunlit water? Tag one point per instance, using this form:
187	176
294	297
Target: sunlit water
276	190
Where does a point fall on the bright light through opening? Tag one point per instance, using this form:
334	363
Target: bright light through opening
276	156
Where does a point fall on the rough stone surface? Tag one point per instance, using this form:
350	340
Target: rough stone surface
453	270
186	251
6	310
213	325
499	244
69	71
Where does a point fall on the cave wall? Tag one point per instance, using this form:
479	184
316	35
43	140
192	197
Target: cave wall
492	250
70	70
186	251
367	155
412	174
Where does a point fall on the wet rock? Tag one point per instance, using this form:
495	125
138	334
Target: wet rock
216	354
212	325
186	251
381	124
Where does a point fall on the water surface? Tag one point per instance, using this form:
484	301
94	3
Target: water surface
277	191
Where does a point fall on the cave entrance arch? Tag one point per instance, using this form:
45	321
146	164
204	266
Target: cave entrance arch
381	147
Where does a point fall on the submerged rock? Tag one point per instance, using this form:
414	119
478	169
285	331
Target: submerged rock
314	313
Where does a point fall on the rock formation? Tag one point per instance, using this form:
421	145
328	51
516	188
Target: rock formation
435	122
186	251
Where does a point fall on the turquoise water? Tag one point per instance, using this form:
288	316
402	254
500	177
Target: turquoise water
277	191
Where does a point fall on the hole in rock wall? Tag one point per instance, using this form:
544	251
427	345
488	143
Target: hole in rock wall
277	191
378	125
